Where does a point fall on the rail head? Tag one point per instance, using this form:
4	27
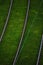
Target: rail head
39	54
19	46
6	22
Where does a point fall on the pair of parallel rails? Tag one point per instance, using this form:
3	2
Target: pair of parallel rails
23	31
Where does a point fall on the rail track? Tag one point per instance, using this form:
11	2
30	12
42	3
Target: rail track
4	28
25	22
19	46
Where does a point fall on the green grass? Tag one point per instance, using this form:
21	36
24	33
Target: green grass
4	6
32	37
9	44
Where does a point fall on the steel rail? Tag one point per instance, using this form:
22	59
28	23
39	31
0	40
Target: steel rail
19	46
4	28
39	54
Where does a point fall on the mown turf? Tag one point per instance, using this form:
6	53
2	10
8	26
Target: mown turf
4	6
32	37
9	44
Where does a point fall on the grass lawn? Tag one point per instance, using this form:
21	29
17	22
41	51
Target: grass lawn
32	37
4	6
9	44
